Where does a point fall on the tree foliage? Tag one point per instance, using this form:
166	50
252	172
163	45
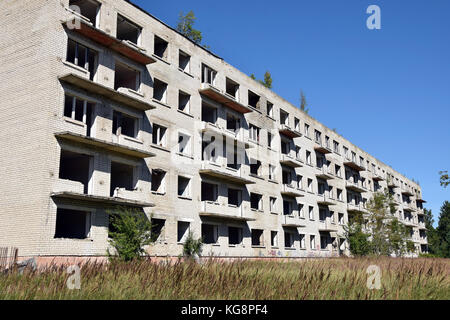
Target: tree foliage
303	102
445	179
267	82
130	231
443	231
378	232
185	26
192	247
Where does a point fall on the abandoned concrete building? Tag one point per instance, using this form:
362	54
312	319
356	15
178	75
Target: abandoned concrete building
104	105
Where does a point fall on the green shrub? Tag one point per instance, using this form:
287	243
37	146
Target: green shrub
130	231
192	247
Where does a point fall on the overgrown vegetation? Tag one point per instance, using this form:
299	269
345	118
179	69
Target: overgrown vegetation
249	280
445	179
378	232
192	248
303	103
439	238
267	82
185	26
130	231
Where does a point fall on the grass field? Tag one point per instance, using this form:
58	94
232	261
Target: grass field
260	280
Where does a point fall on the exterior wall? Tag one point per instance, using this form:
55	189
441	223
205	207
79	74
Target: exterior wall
34	156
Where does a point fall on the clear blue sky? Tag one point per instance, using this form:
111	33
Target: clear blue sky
387	91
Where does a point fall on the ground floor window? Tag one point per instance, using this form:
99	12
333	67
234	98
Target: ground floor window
72	224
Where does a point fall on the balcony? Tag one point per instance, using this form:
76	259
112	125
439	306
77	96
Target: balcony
420	200
324	172
215	94
391	183
407	191
290	190
101	201
325	199
229	212
104	145
409	222
327	226
288	132
224	173
321	148
293	222
355	186
352	163
236	136
409	206
357	208
377	177
122	98
82	26
290	161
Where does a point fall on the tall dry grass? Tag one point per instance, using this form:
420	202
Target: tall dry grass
260	280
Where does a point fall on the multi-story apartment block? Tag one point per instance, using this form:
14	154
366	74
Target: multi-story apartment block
104	105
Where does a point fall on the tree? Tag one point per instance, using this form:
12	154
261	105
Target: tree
443	231
186	27
192	247
377	231
432	236
303	102
267	82
445	179
130	231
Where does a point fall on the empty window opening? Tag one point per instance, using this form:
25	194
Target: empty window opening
158	229
127	30
234	236
284	117
232	157
160	91
273	204
254	132
322	214
184	101
184	61
255	167
88	9
159	135
83	57
312	240
311	213
122	177
208	75
287	177
209	149
288	240
232	88
257	237
253	100
79	110
125	77
324	241
270	109
288	208
184	187
72	224
75	167
124	124
274	238
184	144
296	124
158	181
285	147
256	201
234	197
210	233
183	229
161	48
233	123
209	114
209	192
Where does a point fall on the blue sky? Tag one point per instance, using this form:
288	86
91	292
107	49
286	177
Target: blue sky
387	91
